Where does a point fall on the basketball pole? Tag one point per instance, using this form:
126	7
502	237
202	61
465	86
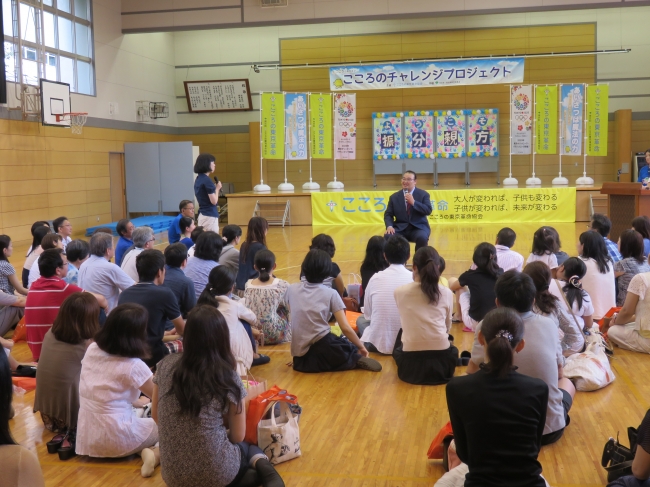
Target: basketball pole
510	181
337	185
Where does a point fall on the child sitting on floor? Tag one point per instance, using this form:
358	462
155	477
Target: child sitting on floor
544	248
187	227
313	347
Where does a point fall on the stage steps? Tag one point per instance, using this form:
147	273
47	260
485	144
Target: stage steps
275	213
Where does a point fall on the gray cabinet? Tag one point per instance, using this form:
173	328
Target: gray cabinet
158	176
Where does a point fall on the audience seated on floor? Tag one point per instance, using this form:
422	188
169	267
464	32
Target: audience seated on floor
63	227
206	257
186	209
475	288
602	226
12	309
176	280
599	280
124	229
98	275
77	252
50	241
8	280
541	358
381	323
326	243
239	318
642	225
506	258
545	247
313	346
59	366
159	301
195	235
143	239
255	241
198	399
373	262
265	296
498	413
187	227
560	255
633	262
113	376
46	297
230	255
571	296
35	250
423	352
546	304
19	466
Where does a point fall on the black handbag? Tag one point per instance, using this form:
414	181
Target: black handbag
617	458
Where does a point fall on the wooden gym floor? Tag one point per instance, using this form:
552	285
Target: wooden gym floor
370	429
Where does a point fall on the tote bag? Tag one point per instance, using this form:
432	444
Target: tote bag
279	438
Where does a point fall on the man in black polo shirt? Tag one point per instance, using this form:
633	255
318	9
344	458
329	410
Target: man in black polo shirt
158	300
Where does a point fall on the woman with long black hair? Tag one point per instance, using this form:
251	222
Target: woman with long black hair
198	403
373	262
599	280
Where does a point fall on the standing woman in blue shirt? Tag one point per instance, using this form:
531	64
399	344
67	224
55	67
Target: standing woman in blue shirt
644	172
207	193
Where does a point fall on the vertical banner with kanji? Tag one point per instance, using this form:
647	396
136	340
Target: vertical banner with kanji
345	126
573	97
320	115
450	133
521	111
273	125
546	119
482	127
418	134
387	135
296	125
597	118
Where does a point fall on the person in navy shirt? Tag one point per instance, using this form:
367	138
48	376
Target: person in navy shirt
124	230
207	193
186	208
644	172
187	227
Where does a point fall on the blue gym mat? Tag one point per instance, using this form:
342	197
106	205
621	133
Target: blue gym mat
159	223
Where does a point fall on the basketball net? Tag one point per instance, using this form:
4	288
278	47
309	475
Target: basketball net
77	121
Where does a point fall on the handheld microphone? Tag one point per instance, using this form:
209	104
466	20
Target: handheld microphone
406	191
216	180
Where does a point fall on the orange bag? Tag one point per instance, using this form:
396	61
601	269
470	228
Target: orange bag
436	449
27	383
20	333
352	318
258	407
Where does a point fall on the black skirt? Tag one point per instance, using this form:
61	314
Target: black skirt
329	354
427	367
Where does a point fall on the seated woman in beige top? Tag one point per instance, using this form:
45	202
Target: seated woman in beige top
19	466
630	328
423	352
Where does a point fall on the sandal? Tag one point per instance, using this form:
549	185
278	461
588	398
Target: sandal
55	443
67	449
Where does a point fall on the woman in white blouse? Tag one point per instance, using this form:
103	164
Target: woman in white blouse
112	377
599	281
423	352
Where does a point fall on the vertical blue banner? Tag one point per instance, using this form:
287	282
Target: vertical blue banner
572	102
296	125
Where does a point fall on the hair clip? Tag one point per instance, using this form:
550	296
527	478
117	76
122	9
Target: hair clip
575	282
504	334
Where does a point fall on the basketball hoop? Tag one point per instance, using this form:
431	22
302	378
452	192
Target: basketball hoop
77	120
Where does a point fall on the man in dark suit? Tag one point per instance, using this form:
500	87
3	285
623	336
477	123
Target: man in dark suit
407	211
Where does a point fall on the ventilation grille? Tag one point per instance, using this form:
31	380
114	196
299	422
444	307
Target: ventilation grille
274	3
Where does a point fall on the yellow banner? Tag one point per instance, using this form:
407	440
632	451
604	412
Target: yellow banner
546	119
507	205
597	113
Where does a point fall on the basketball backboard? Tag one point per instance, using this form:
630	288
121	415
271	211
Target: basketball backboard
55	100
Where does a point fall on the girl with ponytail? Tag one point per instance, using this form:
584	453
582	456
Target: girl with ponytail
240	320
507	428
546	304
571	274
475	288
264	296
423	351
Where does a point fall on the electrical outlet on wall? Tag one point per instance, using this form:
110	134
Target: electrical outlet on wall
113	108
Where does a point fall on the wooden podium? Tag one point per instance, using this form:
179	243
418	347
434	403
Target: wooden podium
626	201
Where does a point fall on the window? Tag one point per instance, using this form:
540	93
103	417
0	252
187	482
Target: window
66	47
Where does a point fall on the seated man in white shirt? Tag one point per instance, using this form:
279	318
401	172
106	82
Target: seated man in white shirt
98	275
63	227
506	258
380	322
143	239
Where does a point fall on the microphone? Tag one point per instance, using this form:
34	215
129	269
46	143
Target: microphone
216	180
406	191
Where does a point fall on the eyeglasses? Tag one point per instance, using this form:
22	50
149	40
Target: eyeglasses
407	179
152	240
189	208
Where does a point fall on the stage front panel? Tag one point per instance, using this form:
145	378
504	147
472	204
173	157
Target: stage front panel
511	205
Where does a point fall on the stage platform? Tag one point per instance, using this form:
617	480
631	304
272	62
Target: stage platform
242	205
